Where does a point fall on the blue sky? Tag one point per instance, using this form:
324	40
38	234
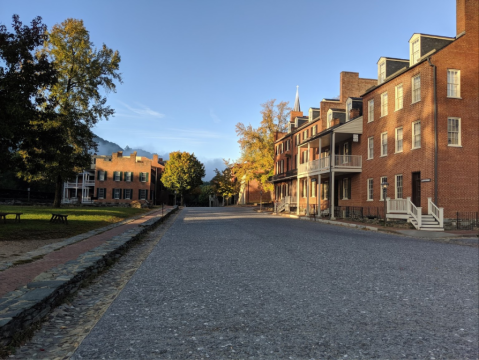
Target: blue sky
193	69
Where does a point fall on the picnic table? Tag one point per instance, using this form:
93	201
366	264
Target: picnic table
4	216
59	218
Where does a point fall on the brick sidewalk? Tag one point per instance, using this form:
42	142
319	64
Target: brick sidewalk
21	275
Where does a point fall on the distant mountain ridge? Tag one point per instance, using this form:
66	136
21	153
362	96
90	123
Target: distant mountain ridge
106	147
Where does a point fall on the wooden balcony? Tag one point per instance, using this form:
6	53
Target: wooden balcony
342	163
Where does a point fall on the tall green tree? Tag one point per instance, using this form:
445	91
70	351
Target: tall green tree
25	75
257	144
62	146
183	173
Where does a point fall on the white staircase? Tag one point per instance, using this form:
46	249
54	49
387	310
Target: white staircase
405	209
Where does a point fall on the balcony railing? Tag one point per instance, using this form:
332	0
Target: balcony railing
321	164
348	161
284	175
72	184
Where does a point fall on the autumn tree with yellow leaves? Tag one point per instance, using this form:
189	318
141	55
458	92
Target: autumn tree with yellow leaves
257	144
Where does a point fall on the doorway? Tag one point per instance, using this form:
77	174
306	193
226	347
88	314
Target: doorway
416	188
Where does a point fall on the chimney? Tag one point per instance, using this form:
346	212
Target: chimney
467	17
353	114
155	159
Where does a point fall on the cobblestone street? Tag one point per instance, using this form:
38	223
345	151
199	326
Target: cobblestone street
231	283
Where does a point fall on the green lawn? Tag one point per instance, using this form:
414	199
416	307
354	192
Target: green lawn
35	221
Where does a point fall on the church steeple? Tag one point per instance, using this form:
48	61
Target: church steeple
297	107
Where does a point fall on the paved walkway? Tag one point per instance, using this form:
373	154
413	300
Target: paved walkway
21	275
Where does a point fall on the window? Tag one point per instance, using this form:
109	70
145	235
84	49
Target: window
313	187
144	177
416	89
454	132
346	189
143	194
128	176
127	194
399	141
349	106
297	139
101	193
383	180
370	148
117	175
453	83
382	72
102	175
384	104
399	97
415	51
371	110
384	144
305	185
370	190
330	118
287	145
398	186
325	191
346	152
282	148
416	134
314	130
116	194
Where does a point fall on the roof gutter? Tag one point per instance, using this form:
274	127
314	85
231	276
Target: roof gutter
435	130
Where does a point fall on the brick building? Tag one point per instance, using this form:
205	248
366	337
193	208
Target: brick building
119	179
418	132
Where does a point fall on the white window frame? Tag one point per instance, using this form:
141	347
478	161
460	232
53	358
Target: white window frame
101	175
384	153
313	188
414	135
142	176
325	193
382	180
414	57
399	100
345	188
370	190
371	110
116	194
384	104
127	194
381	73
128	176
415	89
304	191
143	194
116	176
313	130
459	137
396	187
396	147
370	148
454	94
101	193
349	106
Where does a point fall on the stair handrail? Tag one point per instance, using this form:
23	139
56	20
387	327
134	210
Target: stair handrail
435	211
415	212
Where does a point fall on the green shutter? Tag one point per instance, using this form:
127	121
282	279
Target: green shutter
146	194
104	178
112	194
121	175
139	194
341	189
131	176
146	177
349	188
97	193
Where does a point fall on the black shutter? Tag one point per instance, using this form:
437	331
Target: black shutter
349	188
139	194
146	194
341	187
104	177
146	177
112	193
121	175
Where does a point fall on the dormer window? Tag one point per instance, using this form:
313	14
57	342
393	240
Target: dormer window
349	106
381	72
310	115
330	118
415	47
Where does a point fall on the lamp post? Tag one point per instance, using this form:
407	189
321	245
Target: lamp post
385	191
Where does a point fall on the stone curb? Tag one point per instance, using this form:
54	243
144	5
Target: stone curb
40	252
22	309
357	226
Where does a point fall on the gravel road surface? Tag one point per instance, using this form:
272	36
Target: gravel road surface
229	283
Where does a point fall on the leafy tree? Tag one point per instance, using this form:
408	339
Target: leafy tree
206	191
183	172
60	149
224	183
257	144
23	75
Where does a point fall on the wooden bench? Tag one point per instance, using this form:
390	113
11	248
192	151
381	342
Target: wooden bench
4	216
59	218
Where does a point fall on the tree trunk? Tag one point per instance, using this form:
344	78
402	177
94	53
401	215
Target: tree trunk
58	192
181	199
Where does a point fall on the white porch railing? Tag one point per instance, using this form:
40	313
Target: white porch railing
348	161
315	165
397	206
435	211
90	183
415	212
70	184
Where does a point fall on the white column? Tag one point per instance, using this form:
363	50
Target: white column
298	157
331	199
308	190
319	191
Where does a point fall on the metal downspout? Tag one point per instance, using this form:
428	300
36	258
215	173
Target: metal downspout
435	131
